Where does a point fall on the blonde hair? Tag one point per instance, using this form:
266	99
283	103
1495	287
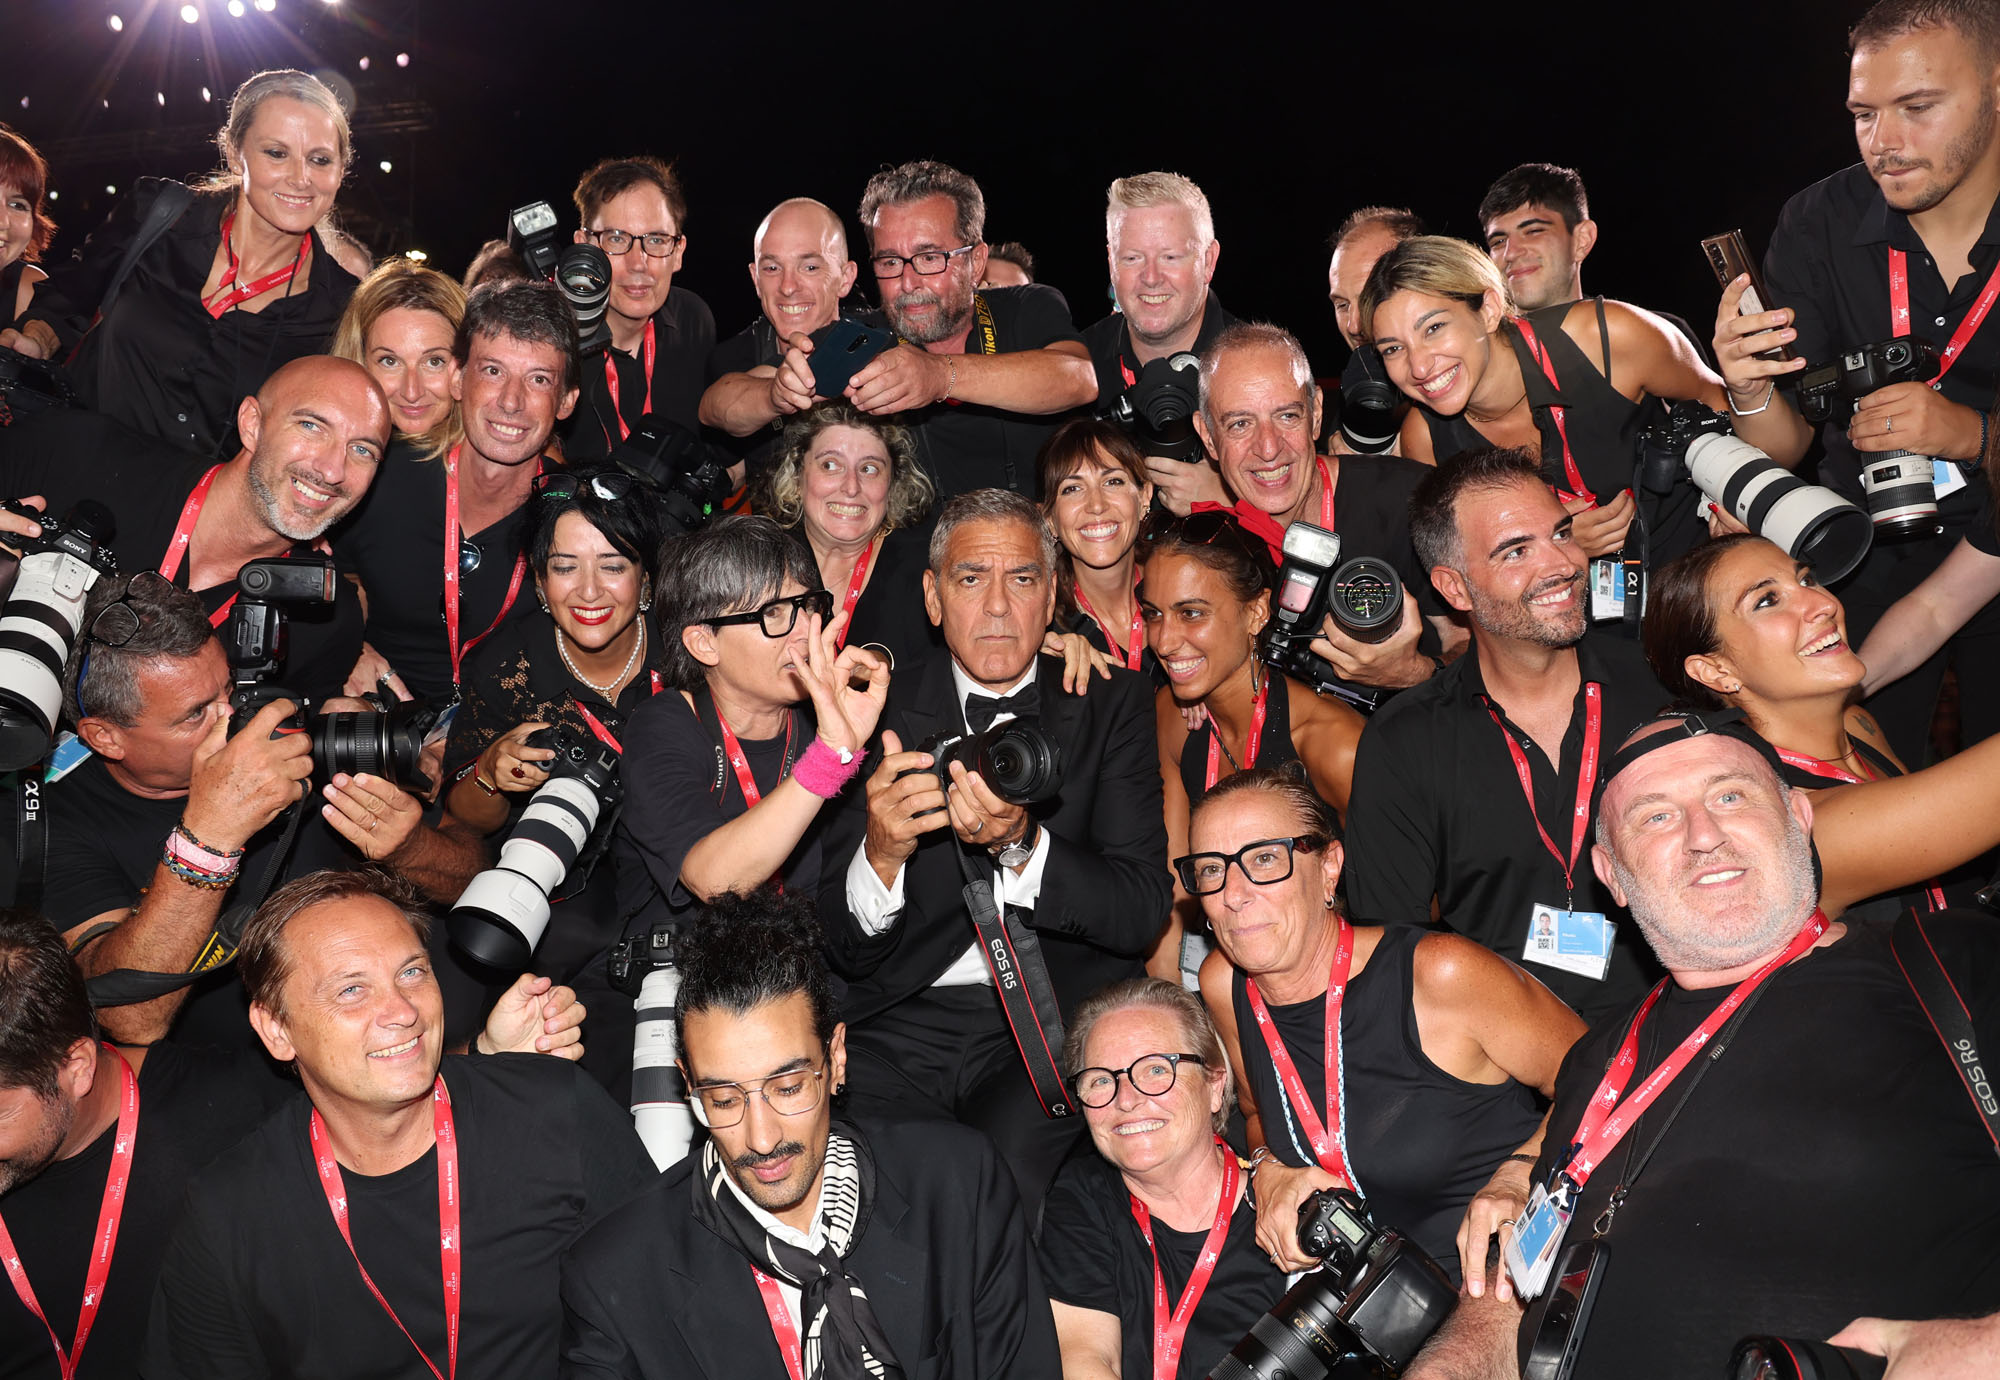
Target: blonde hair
291	84
1143	190
1438	266
910	489
397	284
1198	1033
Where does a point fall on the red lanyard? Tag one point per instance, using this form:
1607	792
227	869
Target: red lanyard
232	292
1170	1323
741	764
611	382
1899	310
1325	493
1577	488
448	1231
1586	780
596	725
177	548
1329	1145
1600	1130
1136	643
1251	742
1933	893
782	1326
854	584
110	1209
451	569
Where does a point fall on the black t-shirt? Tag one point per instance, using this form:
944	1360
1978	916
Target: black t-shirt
1094	1256
964	446
193	1105
65	456
258	1282
394	542
683	336
1117	363
1437	809
1828	1166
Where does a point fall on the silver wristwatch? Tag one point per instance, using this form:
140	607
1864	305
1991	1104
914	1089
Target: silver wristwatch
1019	851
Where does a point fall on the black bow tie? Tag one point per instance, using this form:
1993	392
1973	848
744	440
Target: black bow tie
982	710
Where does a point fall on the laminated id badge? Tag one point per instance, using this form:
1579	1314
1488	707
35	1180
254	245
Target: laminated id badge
1607	589
1576	941
1946	477
1531	1250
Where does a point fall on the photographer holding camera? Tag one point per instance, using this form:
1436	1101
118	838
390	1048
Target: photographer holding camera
1042	806
1895	248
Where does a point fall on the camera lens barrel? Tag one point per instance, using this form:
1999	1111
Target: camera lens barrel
1367	599
1812	524
38	626
1301	1338
500	916
1902	497
1368	416
1017	760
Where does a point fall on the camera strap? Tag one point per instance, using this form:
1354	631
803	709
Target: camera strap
1586	781
1899	311
167	208
451	563
646	352
1940	999
855	584
1170	1321
1933	893
31	839
596	725
1013	954
177	547
1251	741
1571	474
1328	1137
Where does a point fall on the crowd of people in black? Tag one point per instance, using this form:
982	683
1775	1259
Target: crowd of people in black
917	841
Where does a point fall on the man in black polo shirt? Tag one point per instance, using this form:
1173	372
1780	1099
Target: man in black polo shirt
1365	236
979	377
1906	242
661	335
1443	777
1160	238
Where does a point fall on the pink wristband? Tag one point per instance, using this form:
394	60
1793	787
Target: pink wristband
192	851
821	771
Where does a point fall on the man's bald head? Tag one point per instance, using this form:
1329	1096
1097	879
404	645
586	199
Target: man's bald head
312	439
800	266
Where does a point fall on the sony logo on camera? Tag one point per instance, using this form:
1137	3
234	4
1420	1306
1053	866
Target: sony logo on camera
1982	1087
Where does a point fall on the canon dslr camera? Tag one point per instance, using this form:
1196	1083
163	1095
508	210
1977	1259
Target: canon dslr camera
1900	486
1158	409
41	620
1375	1296
688	477
581	271
1018	761
1363	596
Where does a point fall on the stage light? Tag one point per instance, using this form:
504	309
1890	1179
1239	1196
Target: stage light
53	194
235	9
110	190
205	94
364	64
24	102
190	15
387	166
267	5
117	24
413	255
402	59
160	96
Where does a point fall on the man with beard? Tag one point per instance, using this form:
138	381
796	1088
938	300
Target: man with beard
1475	787
312	439
794	1241
1160	238
1904	243
1823	1095
978	376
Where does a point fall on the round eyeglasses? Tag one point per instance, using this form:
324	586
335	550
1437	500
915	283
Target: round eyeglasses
1151	1074
718	1106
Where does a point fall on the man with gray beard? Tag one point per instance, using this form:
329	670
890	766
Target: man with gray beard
1719	1146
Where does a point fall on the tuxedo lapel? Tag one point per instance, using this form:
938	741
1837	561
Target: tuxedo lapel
933	706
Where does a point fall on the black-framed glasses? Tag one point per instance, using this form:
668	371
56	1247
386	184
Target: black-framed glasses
1262	863
718	1106
657	245
469	555
1151	1074
928	262
610	487
778	617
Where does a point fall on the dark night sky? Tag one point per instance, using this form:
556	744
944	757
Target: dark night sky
1685	118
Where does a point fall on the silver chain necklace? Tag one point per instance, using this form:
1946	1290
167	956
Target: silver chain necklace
605	691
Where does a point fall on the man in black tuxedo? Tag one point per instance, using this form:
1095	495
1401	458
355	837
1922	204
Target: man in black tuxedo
794	1242
1081	876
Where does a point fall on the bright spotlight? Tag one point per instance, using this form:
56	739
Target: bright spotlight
190	15
235	9
267	5
387	166
160	96
402	59
117	24
415	255
53	194
205	95
24	102
110	190
364	64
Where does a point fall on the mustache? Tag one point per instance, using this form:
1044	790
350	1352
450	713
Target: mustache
751	1159
1553	583
1884	165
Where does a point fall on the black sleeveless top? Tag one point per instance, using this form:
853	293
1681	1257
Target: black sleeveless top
1603	426
1888	905
1419	1141
1274	748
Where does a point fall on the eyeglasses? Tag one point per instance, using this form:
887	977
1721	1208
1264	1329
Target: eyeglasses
780	615
718	1106
1151	1074
928	262
117	623
658	245
609	487
1264	862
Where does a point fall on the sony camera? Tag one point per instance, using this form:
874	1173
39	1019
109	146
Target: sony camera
642	967
1794	1358
500	916
1018	761
1900	486
1814	525
689	477
41	619
1376	1296
29	385
1158	409
1363	596
582	271
1365	409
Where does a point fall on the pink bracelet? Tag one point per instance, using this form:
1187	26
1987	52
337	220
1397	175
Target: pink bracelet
192	851
821	771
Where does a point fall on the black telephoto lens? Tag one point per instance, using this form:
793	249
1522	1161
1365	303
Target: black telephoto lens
1793	1358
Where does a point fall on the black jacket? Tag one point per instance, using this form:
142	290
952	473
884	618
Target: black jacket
650	1292
1105	890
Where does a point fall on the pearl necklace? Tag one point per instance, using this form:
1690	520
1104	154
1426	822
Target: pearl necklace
606	690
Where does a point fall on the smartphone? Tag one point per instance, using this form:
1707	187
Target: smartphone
840	348
1730	258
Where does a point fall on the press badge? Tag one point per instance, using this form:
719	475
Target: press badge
1607	589
1946	477
69	754
1576	941
1531	1251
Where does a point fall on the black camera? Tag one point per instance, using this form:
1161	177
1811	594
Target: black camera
642	967
500	916
1018	761
689	477
29	385
1376	1296
1363	596
1366	407
41	620
1814	525
1158	409
1793	1358
582	271
1900	485
257	634
388	743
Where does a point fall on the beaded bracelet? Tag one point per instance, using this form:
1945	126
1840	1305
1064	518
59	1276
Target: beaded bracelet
198	877
182	843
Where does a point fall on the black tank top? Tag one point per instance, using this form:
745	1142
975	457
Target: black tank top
1419	1141
1888	905
1603	426
1274	747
